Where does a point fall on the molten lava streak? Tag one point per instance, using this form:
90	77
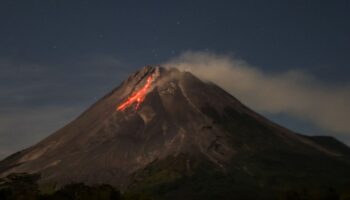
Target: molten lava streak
137	97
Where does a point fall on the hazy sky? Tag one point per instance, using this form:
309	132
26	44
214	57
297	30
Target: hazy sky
57	57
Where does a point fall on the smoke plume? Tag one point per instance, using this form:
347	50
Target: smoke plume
293	92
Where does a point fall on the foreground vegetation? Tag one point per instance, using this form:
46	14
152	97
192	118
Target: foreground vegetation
25	187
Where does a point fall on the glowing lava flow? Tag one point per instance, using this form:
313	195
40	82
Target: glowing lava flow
137	97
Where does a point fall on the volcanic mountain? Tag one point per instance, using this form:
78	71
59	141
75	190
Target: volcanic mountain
166	133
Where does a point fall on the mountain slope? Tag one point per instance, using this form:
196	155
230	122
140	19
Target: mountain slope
179	130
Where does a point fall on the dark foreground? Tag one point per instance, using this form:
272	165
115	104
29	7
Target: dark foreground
25	187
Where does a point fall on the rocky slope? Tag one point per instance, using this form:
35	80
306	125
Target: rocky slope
178	136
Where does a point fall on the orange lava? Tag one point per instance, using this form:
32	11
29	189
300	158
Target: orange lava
137	97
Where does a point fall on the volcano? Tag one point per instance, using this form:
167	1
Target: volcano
166	133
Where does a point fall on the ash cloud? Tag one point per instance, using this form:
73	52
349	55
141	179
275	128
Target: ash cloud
292	92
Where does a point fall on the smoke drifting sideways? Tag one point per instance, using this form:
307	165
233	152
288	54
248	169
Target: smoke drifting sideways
294	92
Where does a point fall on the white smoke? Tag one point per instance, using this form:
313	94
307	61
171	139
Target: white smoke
293	92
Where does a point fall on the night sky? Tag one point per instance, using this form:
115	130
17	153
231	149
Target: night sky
58	57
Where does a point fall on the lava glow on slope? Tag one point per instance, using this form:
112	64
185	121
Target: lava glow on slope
137	97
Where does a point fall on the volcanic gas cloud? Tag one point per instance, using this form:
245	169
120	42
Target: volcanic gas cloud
137	97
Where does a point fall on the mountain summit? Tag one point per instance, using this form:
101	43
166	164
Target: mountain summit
169	133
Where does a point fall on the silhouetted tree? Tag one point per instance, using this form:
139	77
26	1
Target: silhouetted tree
19	186
80	191
24	187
